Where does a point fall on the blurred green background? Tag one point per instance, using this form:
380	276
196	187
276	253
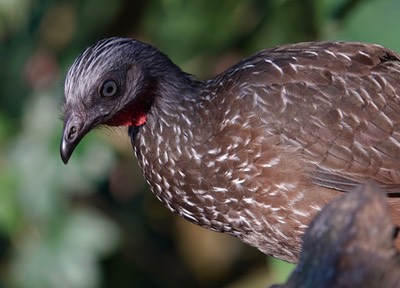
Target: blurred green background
94	223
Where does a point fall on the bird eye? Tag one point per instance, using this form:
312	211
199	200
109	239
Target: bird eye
109	88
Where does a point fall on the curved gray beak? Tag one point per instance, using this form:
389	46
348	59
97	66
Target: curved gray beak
73	132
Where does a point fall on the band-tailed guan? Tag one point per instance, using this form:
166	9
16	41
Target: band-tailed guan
259	149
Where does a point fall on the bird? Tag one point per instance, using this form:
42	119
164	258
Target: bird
258	150
349	244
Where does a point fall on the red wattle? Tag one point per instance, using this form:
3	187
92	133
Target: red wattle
141	120
128	117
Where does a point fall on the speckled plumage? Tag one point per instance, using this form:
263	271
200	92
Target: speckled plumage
259	149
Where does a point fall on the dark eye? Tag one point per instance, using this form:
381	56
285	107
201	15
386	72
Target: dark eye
109	88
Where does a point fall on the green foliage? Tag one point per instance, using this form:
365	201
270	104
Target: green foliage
38	209
373	22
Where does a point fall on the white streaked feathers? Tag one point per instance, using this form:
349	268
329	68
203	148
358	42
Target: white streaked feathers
229	160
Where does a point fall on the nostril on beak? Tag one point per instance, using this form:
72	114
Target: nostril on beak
71	133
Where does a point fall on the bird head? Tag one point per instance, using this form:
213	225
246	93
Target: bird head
106	85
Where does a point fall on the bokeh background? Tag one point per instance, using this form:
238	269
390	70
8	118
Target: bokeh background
94	223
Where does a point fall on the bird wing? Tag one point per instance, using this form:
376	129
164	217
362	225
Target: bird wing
339	103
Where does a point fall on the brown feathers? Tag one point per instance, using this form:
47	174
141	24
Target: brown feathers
258	150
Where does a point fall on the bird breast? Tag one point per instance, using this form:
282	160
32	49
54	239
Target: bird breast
261	147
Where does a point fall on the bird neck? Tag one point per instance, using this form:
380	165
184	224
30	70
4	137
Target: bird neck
166	82
176	95
168	94
166	88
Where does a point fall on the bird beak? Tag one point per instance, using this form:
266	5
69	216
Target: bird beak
74	130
